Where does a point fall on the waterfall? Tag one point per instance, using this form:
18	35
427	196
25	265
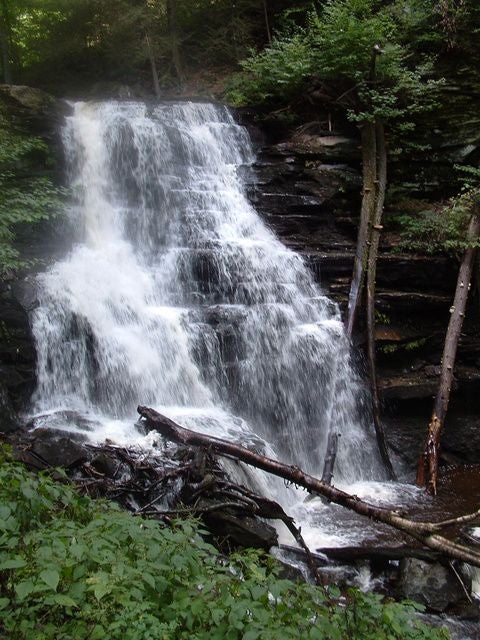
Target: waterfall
177	295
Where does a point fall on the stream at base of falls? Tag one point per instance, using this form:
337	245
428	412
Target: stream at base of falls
176	295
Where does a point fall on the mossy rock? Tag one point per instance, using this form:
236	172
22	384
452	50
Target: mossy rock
35	100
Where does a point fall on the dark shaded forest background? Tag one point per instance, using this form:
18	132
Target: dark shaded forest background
66	46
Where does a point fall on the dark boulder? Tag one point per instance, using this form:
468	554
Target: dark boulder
17	355
432	584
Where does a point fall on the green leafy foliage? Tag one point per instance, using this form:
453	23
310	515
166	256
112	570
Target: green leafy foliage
279	71
356	50
25	198
343	36
71	567
443	228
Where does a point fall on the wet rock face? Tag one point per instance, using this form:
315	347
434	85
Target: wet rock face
324	147
432	584
34	100
17	356
33	109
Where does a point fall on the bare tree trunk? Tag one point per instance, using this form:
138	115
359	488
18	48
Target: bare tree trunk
369	197
374	160
425	532
5	42
427	471
369	161
267	21
153	66
375	229
173	32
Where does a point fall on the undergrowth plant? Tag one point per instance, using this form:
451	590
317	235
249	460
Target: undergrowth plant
25	198
76	568
443	228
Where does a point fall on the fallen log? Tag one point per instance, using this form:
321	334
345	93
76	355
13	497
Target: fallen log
378	554
425	532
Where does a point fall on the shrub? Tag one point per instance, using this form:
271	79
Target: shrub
443	228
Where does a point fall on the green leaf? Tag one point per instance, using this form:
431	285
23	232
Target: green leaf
64	600
24	589
98	633
51	578
5	512
14	563
100	590
149	579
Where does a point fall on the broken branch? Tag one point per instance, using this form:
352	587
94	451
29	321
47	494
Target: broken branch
422	531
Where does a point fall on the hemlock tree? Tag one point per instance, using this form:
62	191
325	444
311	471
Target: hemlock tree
356	51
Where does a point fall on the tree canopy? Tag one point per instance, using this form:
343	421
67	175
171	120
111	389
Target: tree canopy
343	45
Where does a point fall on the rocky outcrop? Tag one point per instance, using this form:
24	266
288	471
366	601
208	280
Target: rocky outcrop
432	584
32	110
17	356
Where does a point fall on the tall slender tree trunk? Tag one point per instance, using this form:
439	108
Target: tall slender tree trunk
427	471
173	32
267	22
332	434
375	229
369	196
153	67
5	42
330	456
374	163
374	156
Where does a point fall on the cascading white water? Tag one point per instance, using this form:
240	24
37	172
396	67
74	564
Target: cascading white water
178	296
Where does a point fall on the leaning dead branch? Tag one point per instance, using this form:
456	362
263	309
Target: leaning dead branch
425	532
427	471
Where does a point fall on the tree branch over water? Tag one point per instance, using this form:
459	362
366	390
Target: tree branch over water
425	532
